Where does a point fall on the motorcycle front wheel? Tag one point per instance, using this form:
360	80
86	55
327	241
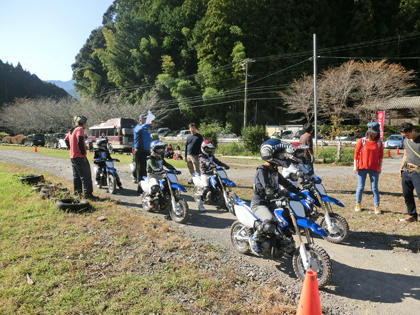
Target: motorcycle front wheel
229	199
239	237
320	258
342	226
180	214
112	184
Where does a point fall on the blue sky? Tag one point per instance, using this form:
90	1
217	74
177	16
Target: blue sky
46	35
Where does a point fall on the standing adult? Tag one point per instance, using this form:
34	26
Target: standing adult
410	169
192	150
368	155
306	139
142	140
82	176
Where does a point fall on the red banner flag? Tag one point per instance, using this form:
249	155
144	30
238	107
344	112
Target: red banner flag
381	122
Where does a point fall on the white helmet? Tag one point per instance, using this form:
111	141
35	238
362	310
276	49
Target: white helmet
207	147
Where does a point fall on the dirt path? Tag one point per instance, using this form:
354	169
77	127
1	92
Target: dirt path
367	279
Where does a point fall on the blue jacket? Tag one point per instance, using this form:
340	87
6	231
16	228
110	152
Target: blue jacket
142	137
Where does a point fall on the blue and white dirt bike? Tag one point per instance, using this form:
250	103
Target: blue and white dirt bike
165	195
106	174
334	224
220	193
291	219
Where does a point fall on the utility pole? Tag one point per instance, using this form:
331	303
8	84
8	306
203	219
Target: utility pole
315	96
244	64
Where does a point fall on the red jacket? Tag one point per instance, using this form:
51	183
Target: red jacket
369	156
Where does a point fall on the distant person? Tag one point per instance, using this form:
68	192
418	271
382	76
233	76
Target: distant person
169	151
82	176
178	153
142	140
368	155
410	169
307	139
192	150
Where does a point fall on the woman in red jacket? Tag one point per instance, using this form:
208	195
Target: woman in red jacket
368	155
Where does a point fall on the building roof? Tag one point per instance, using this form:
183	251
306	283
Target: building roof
407	102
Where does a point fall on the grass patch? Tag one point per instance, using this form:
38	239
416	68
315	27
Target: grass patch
56	262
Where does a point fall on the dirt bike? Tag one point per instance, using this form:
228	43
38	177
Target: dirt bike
163	195
106	174
220	193
291	219
334	224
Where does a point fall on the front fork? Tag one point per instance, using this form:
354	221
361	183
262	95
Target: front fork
331	227
306	261
173	201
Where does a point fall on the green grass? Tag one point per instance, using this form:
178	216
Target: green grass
126	264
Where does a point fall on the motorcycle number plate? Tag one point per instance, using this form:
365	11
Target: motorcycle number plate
297	208
109	164
320	188
222	174
172	178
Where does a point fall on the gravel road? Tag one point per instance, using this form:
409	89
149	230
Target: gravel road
366	279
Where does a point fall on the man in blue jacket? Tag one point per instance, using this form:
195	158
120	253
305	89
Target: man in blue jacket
142	140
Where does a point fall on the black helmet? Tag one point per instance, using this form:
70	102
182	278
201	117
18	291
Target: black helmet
158	147
276	152
102	143
207	147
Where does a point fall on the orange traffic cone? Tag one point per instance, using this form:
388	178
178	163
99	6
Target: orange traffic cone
309	302
397	152
36	149
388	154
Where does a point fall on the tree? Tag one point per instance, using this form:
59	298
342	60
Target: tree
299	97
336	86
349	91
378	81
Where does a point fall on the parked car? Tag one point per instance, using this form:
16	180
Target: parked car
394	141
345	136
163	132
35	139
228	135
183	133
51	140
287	134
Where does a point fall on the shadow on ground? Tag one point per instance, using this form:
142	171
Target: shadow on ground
382	241
353	192
374	286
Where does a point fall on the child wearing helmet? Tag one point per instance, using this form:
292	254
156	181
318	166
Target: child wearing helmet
100	156
267	186
155	164
208	163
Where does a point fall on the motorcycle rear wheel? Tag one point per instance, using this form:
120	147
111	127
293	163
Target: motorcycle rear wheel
342	224
239	237
324	272
112	184
179	215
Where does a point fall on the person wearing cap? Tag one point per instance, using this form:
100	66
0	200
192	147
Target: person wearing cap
410	169
368	155
142	140
82	176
